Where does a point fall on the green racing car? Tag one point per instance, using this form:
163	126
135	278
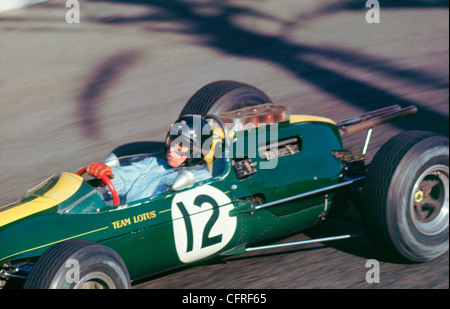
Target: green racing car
273	174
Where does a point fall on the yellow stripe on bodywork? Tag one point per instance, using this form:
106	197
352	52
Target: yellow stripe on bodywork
309	118
66	186
21	211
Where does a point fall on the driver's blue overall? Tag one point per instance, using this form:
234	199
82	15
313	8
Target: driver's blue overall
148	177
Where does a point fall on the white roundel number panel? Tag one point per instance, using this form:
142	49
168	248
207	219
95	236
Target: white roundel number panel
201	227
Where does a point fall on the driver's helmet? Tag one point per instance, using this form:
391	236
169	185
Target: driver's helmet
192	131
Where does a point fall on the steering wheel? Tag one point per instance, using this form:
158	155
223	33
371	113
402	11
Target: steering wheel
107	181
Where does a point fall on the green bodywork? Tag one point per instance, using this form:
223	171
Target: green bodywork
161	232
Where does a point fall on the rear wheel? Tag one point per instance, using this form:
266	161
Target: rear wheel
406	196
79	264
223	96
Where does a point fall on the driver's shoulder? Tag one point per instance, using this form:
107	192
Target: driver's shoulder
201	174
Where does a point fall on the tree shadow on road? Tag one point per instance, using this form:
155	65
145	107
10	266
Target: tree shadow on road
212	21
104	77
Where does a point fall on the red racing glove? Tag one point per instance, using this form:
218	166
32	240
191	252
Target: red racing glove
98	169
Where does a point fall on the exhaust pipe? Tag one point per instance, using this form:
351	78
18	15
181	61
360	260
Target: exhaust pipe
374	118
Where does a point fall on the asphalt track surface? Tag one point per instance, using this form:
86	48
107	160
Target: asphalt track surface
70	93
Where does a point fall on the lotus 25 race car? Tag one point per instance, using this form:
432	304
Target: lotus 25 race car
273	174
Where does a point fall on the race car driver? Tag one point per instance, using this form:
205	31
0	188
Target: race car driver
152	175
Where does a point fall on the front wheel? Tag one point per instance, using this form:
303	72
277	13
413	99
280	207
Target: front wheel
406	197
78	264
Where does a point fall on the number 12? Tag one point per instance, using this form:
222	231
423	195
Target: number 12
206	240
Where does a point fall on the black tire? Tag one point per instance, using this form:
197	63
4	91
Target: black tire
78	264
223	96
405	197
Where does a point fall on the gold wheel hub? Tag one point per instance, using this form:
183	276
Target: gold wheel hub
418	197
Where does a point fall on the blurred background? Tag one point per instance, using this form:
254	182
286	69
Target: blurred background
72	92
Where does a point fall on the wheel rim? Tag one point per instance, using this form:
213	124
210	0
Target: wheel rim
429	200
95	280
